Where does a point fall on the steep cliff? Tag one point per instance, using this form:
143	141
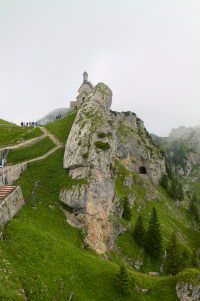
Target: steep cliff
105	149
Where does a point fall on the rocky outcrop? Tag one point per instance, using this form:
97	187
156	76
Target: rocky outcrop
97	140
187	292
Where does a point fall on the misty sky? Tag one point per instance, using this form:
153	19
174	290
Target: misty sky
147	52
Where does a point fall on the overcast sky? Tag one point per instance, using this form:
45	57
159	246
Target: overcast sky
147	52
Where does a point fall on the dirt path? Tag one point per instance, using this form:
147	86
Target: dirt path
13	172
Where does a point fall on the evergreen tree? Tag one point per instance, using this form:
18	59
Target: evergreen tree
173	190
139	233
193	210
123	280
164	181
174	258
180	193
194	197
169	171
194	260
154	239
186	259
127	209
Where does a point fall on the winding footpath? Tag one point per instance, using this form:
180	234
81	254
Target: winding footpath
13	172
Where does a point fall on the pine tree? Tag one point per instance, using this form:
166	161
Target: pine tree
194	197
180	193
193	210
174	258
164	181
154	239
169	171
186	259
123	280
194	260
139	233
127	209
173	190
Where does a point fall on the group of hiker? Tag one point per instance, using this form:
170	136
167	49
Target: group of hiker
28	123
58	117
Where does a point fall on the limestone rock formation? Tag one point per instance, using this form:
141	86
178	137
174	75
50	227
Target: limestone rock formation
101	146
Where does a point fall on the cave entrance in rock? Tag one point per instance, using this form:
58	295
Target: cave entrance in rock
142	170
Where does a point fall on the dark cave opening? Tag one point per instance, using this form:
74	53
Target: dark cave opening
142	170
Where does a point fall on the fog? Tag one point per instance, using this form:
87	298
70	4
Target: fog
147	52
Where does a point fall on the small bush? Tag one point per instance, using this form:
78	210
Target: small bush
138	121
101	135
110	122
102	145
113	112
127	113
85	156
79	143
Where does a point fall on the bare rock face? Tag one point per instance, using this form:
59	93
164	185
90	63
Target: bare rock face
187	292
97	141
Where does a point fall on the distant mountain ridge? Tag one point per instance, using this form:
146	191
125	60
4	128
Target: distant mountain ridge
52	115
191	135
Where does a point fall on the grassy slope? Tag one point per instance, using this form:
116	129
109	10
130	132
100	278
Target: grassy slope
47	255
171	217
27	153
33	133
2	121
61	128
46	252
11	132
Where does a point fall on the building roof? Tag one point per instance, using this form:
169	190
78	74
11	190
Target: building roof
85	72
88	83
91	85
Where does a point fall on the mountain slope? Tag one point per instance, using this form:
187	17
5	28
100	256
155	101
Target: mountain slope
45	258
51	116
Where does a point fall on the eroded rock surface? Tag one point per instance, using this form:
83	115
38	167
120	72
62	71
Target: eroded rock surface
188	292
97	141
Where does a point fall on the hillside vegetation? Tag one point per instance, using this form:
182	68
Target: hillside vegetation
38	149
4	122
61	128
11	134
177	146
45	256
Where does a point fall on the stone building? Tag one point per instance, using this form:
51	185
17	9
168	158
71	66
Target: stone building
83	91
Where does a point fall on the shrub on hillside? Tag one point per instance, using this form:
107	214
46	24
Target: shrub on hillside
102	145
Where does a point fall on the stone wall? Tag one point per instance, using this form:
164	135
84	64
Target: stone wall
13	173
74	104
11	205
